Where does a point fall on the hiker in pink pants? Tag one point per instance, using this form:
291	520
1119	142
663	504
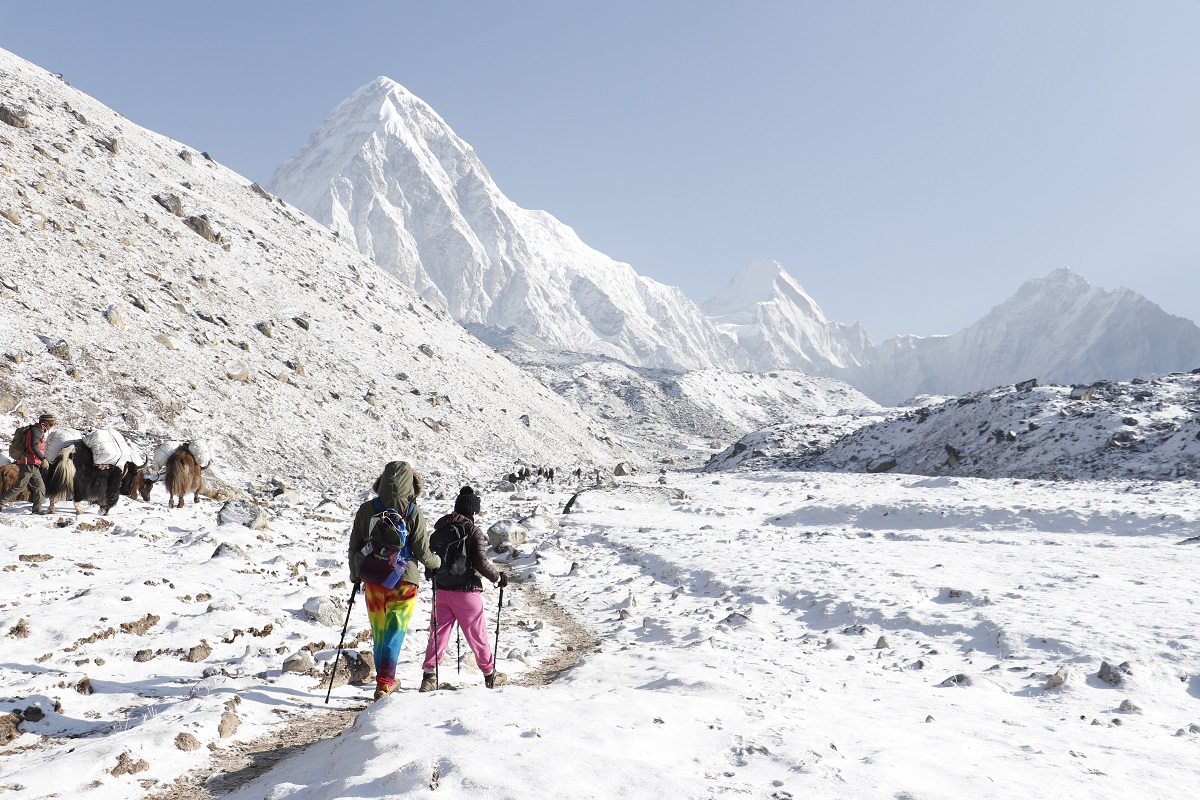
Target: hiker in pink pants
459	590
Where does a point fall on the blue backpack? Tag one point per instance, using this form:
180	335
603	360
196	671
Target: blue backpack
382	563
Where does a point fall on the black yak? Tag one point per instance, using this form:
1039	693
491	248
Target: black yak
76	476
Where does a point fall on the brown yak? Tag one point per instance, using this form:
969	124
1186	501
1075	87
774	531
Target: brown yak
183	475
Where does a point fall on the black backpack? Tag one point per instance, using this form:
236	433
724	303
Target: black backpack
450	543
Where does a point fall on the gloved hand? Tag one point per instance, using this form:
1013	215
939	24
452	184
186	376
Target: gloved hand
503	581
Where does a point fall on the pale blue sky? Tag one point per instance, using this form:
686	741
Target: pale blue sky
911	163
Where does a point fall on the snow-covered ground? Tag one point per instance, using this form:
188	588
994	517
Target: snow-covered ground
773	635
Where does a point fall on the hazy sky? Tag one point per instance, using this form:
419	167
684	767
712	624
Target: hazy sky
911	163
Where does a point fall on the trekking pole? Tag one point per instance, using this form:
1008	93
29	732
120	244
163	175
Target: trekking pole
458	659
500	606
437	681
337	659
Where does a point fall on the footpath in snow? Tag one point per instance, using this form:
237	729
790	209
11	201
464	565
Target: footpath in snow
775	635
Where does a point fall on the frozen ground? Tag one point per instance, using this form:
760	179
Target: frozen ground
765	635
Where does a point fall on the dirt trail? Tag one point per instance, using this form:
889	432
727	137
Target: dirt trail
233	767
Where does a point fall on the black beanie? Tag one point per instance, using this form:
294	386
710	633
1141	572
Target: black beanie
467	502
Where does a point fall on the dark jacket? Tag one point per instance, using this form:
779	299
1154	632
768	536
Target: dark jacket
476	552
397	489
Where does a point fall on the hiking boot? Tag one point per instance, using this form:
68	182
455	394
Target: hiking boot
383	690
494	679
428	682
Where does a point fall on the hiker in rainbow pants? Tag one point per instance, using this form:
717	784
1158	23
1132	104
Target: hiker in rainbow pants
391	610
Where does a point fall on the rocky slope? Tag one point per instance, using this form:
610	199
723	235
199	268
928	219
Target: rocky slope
148	288
1138	429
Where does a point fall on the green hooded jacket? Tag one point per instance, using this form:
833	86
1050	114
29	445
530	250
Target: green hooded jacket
397	489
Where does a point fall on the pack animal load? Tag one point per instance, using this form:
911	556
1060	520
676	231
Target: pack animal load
163	452
383	559
201	452
59	438
109	448
450	542
197	447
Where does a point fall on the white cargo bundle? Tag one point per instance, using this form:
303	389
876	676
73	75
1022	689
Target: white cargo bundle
57	439
201	452
110	447
164	452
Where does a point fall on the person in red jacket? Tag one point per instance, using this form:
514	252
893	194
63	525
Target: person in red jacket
461	600
29	465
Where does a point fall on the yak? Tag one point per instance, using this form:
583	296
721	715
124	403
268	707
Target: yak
183	475
76	476
135	481
9	473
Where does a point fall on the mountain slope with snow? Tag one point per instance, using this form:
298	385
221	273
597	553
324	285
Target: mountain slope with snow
1137	430
387	174
1058	329
237	320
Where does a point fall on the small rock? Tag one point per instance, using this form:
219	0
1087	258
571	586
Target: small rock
1058	678
242	512
882	464
300	661
127	765
929	718
15	116
957	680
1128	706
202	225
142	656
228	725
1113	675
227	549
186	742
323	611
60	350
171	203
198	653
882	643
84	686
8	728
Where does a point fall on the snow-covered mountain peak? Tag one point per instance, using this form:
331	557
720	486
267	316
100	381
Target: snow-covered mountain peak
759	281
389	176
769	315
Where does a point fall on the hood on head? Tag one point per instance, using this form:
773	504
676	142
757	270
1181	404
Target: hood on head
398	485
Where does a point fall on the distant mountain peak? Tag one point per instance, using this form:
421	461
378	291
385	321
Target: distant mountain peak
415	197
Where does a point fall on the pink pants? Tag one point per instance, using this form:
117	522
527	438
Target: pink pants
465	608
